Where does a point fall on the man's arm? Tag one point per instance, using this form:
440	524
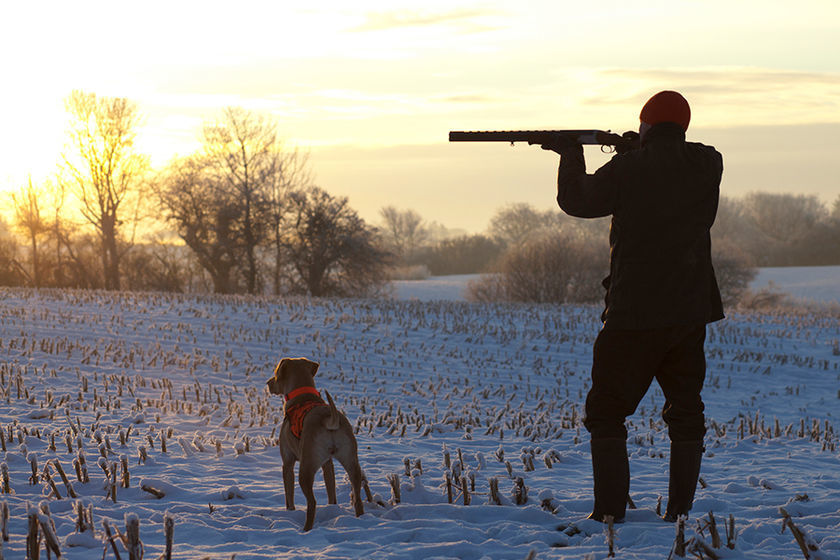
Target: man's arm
579	194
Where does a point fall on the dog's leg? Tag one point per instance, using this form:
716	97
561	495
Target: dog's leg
354	473
289	483
306	478
356	484
329	480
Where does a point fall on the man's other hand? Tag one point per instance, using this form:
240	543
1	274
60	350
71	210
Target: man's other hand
563	144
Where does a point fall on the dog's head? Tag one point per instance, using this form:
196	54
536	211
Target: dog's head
290	374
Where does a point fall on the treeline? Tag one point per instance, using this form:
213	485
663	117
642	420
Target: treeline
780	229
529	255
763	229
240	215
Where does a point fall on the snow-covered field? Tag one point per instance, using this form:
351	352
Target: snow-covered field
494	392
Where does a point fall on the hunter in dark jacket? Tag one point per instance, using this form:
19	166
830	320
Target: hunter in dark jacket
661	293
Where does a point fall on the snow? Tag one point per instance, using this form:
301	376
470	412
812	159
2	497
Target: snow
449	288
497	388
819	283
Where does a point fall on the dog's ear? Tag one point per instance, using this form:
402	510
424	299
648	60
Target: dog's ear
313	367
279	367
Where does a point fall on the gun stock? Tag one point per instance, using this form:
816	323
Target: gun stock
590	137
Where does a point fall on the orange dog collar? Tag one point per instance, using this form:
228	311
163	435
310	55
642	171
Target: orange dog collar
303	391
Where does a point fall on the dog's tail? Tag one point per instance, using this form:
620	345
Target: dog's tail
332	422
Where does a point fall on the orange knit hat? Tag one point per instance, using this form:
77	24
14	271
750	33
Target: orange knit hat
666	106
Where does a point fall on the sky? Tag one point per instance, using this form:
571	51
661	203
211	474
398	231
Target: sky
371	88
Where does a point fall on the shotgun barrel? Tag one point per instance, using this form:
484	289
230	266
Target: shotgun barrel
591	137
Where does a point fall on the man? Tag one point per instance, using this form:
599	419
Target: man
661	293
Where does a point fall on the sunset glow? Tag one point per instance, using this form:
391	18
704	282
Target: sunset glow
373	88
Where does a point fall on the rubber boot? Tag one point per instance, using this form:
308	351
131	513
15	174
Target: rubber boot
611	472
684	472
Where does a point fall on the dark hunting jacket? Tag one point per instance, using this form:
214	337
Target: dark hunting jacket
663	198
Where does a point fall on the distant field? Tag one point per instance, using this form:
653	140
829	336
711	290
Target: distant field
820	283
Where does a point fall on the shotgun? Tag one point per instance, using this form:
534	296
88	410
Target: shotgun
606	139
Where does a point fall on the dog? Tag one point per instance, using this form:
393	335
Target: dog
313	432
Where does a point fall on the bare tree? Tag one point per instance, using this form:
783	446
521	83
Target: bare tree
733	270
437	232
243	149
72	260
79	266
553	268
730	221
32	224
205	215
465	254
783	217
518	223
10	270
60	233
229	200
293	173
566	270
329	249
61	254
158	265
404	230
105	171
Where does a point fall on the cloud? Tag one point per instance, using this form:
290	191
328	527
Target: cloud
727	95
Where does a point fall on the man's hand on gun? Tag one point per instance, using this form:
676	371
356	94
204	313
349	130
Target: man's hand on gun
564	143
561	144
633	142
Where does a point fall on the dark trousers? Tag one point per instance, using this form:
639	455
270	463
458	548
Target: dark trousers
625	362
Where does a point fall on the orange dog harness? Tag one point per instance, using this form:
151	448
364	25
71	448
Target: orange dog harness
296	413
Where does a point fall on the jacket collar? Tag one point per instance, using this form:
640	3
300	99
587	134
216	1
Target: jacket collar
664	132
